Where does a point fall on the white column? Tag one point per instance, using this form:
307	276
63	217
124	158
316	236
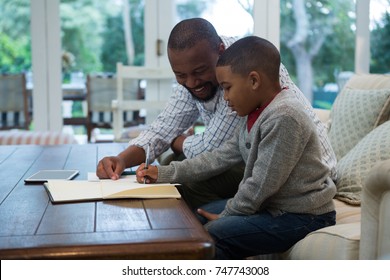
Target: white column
46	64
159	21
266	18
362	40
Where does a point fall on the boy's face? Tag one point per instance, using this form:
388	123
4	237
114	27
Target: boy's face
194	69
237	91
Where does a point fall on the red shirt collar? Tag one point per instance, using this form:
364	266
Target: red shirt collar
254	115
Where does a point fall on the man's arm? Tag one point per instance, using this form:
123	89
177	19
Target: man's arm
179	114
132	156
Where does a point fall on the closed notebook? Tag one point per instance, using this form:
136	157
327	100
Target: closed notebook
92	190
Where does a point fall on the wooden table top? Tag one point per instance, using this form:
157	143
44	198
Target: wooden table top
34	228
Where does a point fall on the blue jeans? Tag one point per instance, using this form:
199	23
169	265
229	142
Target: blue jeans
238	237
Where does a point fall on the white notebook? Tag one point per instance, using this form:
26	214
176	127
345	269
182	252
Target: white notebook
94	189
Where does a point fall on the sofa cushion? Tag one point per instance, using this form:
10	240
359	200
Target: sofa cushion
369	81
354	167
346	213
338	242
354	114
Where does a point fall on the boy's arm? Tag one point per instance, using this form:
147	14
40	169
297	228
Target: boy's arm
204	166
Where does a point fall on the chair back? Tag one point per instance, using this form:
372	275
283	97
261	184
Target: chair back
14	105
158	79
101	90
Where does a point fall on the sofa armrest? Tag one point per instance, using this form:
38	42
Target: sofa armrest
375	220
322	114
324	117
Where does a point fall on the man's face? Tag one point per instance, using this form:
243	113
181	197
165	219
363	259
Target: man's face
194	69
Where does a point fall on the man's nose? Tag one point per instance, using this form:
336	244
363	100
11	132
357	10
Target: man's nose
191	82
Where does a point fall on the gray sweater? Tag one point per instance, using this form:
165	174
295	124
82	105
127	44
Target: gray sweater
283	169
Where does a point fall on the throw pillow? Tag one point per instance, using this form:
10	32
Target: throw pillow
354	114
354	167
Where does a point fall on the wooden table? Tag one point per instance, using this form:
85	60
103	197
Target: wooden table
31	227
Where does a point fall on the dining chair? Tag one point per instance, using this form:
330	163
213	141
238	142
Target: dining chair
101	90
158	79
14	102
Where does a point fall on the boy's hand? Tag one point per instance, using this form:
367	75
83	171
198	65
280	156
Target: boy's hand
149	174
209	216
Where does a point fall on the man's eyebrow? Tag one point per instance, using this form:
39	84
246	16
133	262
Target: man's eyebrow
200	68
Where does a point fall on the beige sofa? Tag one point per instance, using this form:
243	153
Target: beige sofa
359	131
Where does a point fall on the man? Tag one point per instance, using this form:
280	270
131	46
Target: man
193	51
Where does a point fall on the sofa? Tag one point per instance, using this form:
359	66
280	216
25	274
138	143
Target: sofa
359	131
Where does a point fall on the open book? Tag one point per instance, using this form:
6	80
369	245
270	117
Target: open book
95	189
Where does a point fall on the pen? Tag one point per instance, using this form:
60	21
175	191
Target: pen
128	172
147	160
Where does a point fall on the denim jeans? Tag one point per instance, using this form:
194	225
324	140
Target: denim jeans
238	237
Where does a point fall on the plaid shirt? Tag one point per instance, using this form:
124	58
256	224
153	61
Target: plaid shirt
182	111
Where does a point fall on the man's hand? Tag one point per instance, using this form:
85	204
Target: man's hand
209	216
150	174
110	168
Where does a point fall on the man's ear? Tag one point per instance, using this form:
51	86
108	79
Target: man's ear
221	48
255	79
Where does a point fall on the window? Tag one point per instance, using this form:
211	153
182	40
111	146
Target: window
380	36
15	39
230	17
317	44
93	36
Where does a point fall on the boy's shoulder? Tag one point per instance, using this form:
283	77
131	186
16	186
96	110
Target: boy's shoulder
286	103
287	98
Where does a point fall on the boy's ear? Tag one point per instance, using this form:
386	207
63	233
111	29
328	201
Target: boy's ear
255	79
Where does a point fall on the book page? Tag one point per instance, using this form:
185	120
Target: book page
61	190
127	186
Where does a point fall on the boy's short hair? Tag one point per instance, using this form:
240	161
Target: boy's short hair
252	53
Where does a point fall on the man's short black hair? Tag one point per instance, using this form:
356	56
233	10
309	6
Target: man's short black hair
189	32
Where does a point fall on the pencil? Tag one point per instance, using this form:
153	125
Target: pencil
147	160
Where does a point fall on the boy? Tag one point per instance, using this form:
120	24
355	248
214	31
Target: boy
286	191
